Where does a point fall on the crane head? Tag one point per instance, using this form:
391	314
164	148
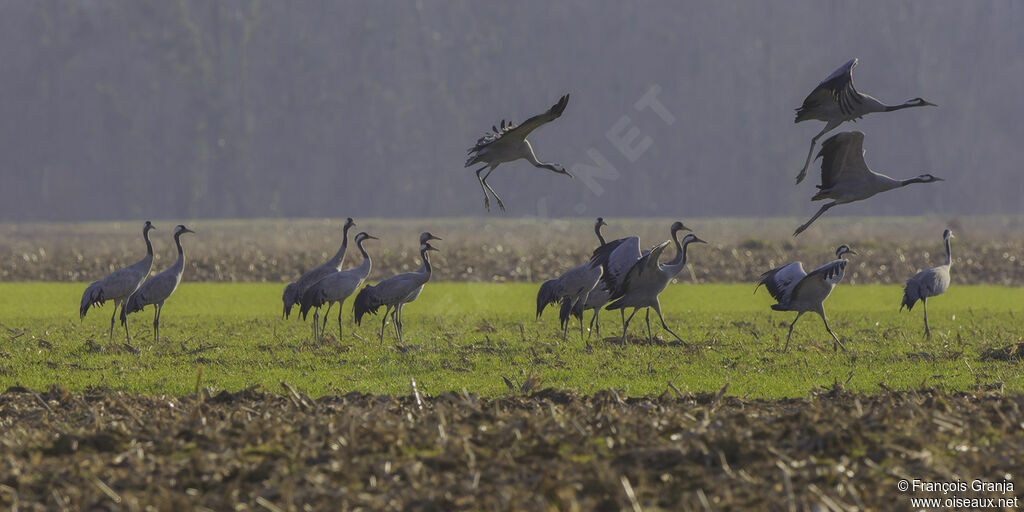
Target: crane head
560	169
425	246
349	223
920	102
363	235
692	238
600	222
181	230
947	234
927	178
678	226
148	226
844	249
426	236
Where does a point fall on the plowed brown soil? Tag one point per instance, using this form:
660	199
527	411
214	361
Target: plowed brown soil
551	450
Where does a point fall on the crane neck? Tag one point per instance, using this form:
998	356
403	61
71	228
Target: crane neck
339	257
676	265
597	230
425	268
364	268
680	251
530	156
901	106
180	264
911	181
149	244
949	254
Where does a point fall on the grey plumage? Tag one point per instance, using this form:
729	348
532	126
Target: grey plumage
835	100
928	283
396	291
646	278
795	290
336	287
158	288
293	292
573	287
846	178
120	284
508	144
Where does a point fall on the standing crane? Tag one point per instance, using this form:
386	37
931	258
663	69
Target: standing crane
646	279
835	101
597	298
158	288
795	290
396	291
928	283
572	288
509	143
293	292
336	287
845	176
120	284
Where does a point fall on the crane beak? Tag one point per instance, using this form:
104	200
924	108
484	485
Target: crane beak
371	237
851	251
187	230
698	240
930	104
432	237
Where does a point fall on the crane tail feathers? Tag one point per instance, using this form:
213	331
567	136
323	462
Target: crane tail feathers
548	294
366	302
93	295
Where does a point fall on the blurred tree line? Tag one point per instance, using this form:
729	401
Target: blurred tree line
243	108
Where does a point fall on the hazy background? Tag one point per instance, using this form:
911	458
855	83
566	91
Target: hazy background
200	109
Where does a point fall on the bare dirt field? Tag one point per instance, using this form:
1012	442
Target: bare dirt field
987	250
548	450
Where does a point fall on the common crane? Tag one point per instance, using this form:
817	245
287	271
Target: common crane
646	279
293	292
845	176
158	288
795	290
573	287
597	298
396	291
509	143
835	101
120	284
928	283
336	287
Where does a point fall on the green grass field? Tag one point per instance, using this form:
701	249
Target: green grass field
470	335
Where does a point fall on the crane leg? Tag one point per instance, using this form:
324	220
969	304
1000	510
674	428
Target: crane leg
595	324
156	322
924	304
398	321
340	307
323	326
316	321
657	309
493	193
647	318
824	208
383	323
126	334
625	322
394	322
837	345
798	313
483	188
803	172
114	314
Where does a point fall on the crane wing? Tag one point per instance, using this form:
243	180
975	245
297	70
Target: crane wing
837	88
842	158
781	281
516	133
820	281
644	265
616	258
